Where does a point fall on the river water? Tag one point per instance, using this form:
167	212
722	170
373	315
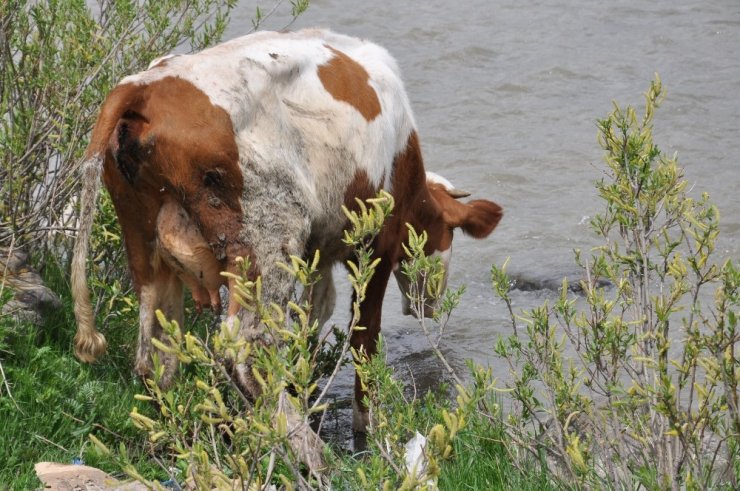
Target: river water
506	95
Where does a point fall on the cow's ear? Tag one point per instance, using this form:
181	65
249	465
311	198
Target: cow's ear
130	144
476	218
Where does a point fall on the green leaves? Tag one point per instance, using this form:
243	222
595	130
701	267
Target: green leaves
280	354
365	225
367	221
639	378
426	277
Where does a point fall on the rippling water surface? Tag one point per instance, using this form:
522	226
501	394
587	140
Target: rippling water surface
506	94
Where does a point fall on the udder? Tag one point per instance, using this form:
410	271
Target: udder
185	250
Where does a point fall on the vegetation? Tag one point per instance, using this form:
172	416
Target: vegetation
50	402
640	387
203	432
209	435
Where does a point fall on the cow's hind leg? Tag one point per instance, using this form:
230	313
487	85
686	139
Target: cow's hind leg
164	293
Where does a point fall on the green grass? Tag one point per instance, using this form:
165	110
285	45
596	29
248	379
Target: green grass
481	461
55	401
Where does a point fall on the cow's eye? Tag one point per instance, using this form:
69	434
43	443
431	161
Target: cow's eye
212	177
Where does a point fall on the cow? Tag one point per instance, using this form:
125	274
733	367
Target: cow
250	149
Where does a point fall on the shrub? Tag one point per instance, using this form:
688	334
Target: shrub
640	387
221	437
210	435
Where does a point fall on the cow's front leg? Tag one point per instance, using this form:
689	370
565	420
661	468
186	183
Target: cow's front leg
366	340
164	292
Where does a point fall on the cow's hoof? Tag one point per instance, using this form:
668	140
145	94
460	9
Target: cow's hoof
360	418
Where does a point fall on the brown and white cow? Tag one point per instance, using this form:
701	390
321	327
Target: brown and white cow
250	149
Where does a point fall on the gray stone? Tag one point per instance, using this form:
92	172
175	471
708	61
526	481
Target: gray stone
32	300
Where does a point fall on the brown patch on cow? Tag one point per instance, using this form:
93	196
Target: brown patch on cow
347	81
413	202
443	239
121	99
413	205
274	56
128	147
409	178
360	188
137	211
181	152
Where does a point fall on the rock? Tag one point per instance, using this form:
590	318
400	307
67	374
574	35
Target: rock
63	477
529	281
32	300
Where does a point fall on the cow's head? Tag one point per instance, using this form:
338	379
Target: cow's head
476	218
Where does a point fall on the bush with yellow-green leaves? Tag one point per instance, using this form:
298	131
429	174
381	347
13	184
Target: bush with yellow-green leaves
638	388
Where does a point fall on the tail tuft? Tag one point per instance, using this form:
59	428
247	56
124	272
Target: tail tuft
89	345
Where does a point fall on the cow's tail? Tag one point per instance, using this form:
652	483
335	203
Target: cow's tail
89	343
